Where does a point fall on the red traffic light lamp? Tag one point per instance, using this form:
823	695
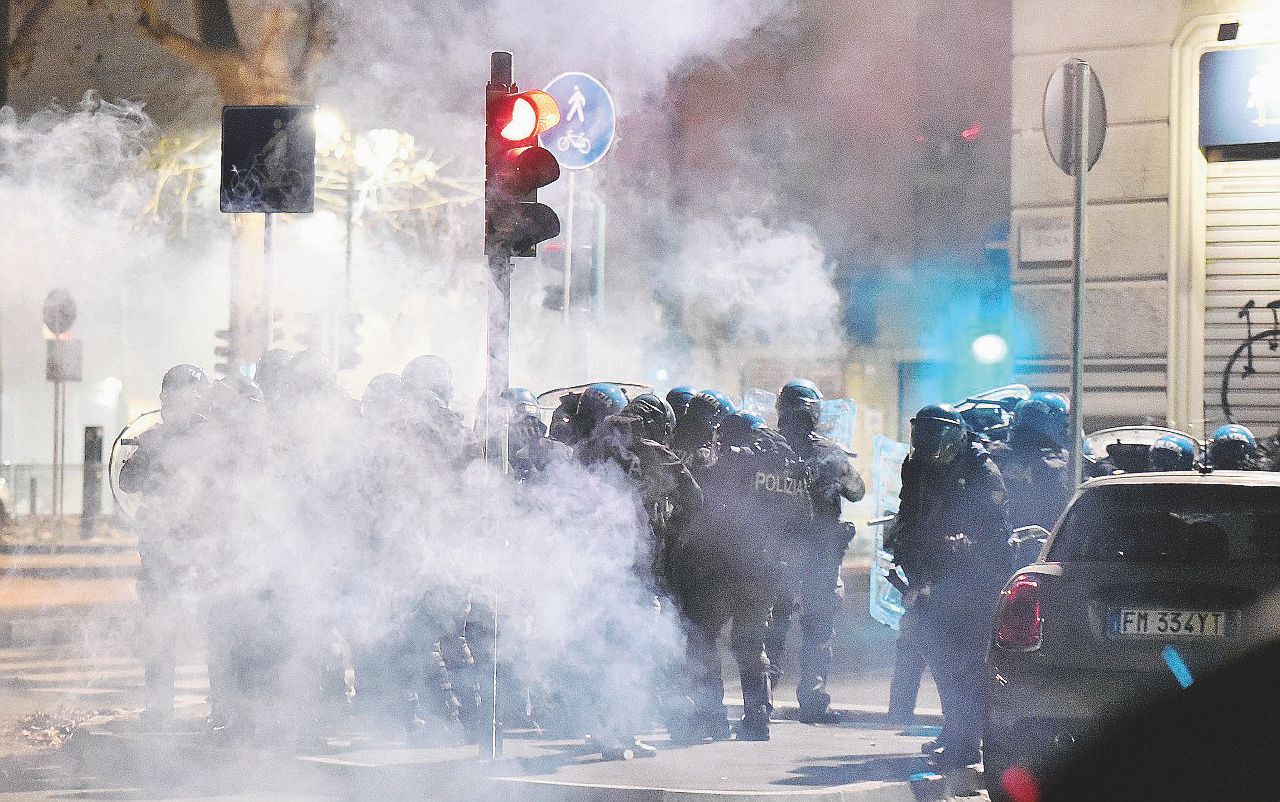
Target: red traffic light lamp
516	166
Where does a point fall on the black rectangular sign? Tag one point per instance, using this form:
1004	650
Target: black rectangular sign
268	159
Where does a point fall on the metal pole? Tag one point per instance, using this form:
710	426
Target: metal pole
4	53
597	257
1080	163
62	453
568	244
268	278
351	227
57	428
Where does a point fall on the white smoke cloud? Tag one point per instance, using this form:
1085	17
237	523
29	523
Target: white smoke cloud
753	282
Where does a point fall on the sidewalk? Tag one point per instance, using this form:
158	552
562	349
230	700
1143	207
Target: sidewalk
857	759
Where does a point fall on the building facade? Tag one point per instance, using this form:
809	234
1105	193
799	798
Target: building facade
1184	216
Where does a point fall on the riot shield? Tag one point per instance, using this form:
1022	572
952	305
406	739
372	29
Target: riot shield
549	401
762	403
122	449
886	485
839	421
990	412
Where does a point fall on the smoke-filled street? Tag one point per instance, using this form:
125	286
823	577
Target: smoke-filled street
617	400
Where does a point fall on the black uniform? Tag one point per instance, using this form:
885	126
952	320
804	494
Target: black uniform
951	540
814	556
668	492
728	563
1037	481
168	470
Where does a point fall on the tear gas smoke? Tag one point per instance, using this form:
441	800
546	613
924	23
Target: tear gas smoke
753	283
292	529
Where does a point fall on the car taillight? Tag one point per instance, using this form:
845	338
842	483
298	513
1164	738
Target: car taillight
1018	620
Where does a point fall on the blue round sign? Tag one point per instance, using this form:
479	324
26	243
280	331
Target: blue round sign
586	120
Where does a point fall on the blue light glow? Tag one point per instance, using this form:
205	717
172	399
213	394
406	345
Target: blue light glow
1177	665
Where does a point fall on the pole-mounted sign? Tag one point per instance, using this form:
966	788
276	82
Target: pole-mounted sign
1075	126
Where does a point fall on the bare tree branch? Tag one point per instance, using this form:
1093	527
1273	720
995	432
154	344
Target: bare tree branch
184	47
216	27
317	41
21	47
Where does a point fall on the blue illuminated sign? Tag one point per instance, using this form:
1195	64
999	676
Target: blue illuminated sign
587	118
1240	97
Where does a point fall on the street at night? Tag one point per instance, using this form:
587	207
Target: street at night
640	400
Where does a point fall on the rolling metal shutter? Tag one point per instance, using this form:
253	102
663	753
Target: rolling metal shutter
1242	263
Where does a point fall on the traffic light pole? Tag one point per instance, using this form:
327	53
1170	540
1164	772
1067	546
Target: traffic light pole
499	331
568	246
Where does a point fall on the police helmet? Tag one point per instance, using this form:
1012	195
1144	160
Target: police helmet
310	371
799	405
938	434
723	399
429	374
739	428
1173	452
657	416
597	402
797	393
1233	446
184	392
272	373
709	407
679	397
1041	421
381	396
182	376
521	402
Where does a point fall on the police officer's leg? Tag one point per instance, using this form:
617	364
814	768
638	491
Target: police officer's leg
971	642
159	600
908	670
948	643
750	612
822	594
706	615
786	604
781	612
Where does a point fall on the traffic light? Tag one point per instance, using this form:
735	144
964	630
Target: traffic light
227	350
349	340
516	166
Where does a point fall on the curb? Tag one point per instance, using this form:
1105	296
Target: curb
39	628
527	790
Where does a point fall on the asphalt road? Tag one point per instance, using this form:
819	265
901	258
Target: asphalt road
74	661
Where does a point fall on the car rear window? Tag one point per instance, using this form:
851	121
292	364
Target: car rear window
1193	523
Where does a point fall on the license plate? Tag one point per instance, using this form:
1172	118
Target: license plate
1171	623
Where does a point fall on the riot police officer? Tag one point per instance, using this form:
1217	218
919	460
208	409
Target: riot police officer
817	550
597	402
630	442
168	471
1033	463
678	399
1173	452
434	426
951	540
755	490
1234	448
694	435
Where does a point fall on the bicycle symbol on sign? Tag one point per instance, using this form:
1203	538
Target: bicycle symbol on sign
1270	336
576	140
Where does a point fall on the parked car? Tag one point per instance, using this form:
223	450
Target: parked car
1148	581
